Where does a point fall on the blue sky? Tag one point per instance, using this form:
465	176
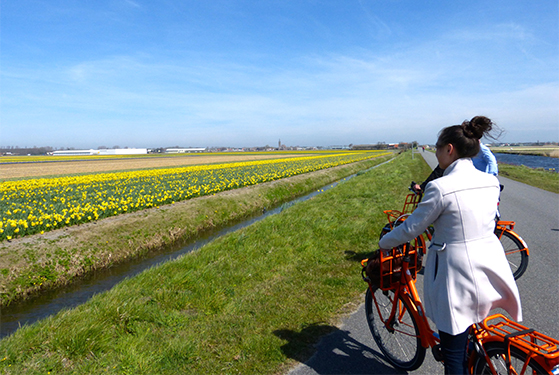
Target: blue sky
141	73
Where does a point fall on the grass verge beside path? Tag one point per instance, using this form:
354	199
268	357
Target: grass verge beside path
542	179
33	264
249	302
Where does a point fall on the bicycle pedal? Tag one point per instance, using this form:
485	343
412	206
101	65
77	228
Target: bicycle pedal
437	353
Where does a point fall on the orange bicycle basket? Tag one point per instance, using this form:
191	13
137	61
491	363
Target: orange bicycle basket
385	269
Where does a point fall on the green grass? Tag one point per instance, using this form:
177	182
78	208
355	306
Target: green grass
37	263
246	303
549	151
546	180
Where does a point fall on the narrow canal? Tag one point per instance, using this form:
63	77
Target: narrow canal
49	303
531	161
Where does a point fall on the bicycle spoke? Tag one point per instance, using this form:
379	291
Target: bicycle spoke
399	338
520	364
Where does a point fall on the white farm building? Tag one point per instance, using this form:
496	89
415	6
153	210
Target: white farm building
108	151
184	150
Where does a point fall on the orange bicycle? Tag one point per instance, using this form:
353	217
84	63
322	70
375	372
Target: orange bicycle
397	321
515	247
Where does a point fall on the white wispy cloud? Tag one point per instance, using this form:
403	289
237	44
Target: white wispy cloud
358	93
133	3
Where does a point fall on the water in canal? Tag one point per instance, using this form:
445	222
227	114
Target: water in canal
531	161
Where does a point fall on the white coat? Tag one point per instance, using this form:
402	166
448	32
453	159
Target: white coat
466	271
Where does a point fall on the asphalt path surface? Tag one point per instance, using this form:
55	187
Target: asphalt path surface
351	349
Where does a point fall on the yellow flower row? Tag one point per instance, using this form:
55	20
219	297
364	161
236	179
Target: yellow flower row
39	205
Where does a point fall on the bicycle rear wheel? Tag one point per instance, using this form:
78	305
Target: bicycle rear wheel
516	256
400	343
496	351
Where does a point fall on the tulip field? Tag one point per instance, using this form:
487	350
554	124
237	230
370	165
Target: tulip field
32	206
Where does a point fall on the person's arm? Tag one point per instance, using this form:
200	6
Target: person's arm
427	211
490	160
437	172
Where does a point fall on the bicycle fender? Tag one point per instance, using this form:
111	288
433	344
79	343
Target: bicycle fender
521	241
473	352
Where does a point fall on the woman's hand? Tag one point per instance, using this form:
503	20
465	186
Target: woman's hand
385	252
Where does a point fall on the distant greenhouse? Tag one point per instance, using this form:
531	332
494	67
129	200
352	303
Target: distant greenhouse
184	150
109	151
74	152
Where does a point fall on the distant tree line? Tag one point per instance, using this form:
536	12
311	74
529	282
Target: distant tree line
16	150
386	146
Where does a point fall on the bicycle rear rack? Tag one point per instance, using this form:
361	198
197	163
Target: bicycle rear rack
505	224
523	337
411	202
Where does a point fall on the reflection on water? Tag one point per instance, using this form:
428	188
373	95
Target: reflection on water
532	161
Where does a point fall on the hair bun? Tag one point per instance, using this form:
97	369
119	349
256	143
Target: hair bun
477	127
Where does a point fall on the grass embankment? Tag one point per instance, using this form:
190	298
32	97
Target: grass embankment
253	301
538	151
36	263
546	180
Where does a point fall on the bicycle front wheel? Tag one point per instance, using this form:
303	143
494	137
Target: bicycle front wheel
496	351
515	251
399	341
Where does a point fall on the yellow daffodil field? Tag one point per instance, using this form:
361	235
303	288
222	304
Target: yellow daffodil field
38	205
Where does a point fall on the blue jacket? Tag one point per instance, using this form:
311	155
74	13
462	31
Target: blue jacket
485	161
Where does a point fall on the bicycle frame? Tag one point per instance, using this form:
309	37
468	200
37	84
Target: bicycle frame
537	347
408	291
410	294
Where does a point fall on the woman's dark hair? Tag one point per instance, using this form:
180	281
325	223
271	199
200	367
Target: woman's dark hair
465	137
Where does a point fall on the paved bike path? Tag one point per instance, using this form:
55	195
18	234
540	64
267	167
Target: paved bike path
350	348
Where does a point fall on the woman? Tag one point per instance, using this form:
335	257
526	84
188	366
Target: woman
466	272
